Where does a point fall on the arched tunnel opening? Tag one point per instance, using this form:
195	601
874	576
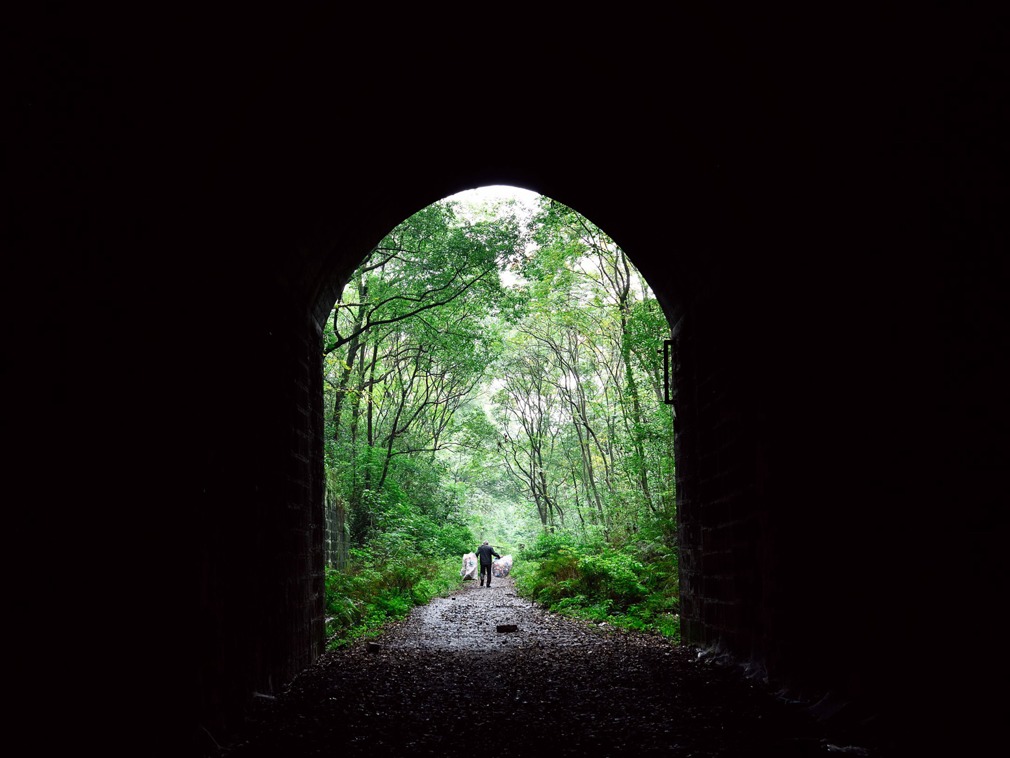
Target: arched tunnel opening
497	368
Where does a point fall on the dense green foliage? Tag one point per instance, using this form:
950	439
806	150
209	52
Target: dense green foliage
634	587
362	597
496	374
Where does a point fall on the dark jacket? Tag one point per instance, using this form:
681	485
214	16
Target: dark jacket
484	553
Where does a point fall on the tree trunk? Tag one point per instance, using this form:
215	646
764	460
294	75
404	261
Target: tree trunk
352	350
632	387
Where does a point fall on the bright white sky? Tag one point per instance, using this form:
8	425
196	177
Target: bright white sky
496	192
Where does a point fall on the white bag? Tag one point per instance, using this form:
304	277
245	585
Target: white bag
469	570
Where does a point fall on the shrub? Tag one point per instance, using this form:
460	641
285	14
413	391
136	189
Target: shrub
362	599
602	584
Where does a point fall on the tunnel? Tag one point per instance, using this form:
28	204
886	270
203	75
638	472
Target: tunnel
823	232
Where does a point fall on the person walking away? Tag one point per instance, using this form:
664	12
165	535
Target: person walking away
484	553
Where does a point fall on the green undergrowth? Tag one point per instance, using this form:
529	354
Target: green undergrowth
363	598
634	587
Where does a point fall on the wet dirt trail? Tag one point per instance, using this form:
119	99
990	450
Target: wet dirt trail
446	682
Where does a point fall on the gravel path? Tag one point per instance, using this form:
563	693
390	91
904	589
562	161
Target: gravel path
445	682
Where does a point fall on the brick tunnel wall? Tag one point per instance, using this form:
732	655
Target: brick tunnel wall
263	584
723	520
806	529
